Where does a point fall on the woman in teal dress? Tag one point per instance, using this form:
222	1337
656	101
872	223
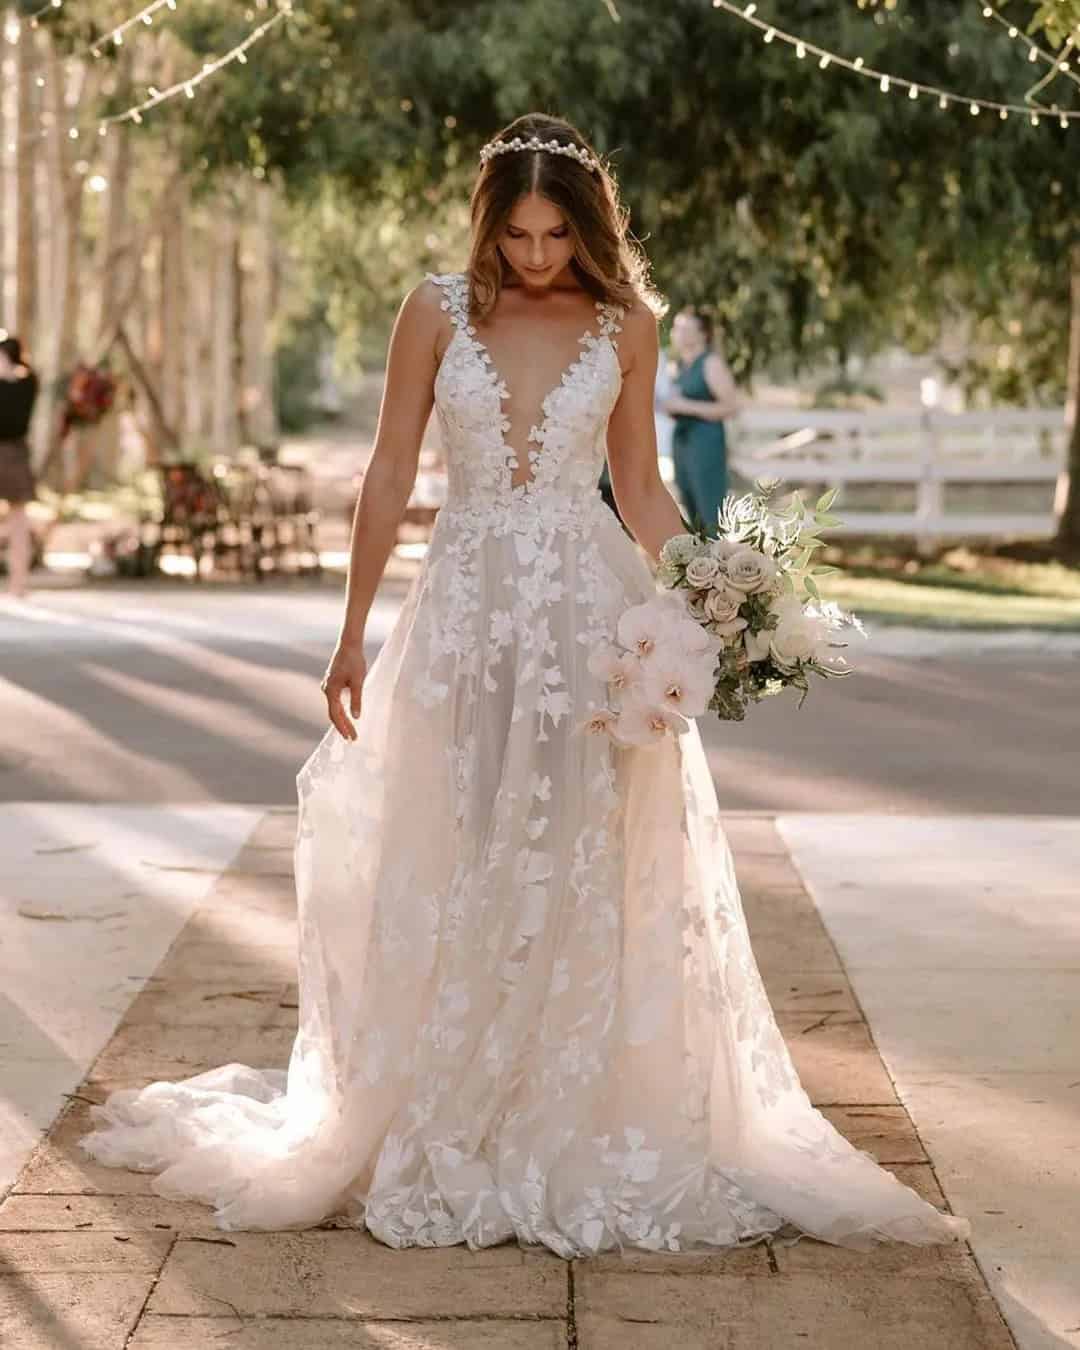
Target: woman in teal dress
706	396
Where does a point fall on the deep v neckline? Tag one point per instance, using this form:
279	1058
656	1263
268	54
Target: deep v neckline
538	432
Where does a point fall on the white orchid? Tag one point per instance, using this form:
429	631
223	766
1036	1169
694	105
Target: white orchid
672	680
692	647
641	627
600	723
618	669
642	724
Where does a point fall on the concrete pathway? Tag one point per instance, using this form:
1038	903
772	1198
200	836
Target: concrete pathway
91	1259
90	899
201	694
961	938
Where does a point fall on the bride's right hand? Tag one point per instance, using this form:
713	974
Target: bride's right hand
346	671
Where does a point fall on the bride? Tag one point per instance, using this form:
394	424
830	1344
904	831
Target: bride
528	1004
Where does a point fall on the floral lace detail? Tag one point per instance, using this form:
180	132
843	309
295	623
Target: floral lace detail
528	1003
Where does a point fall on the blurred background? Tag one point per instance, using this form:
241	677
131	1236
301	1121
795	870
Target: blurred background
209	214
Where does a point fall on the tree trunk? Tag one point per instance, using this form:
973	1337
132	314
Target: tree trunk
173	308
198	309
114	259
1068	536
26	242
66	203
223	411
257	303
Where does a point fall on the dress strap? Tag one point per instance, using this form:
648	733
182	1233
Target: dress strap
609	319
455	289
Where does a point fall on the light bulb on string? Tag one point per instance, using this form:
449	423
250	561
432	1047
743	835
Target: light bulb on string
888	82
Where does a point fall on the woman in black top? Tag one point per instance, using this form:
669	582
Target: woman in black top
18	390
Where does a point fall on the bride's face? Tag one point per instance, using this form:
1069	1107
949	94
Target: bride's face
537	242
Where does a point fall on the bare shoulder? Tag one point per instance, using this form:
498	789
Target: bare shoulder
423	326
638	340
425	301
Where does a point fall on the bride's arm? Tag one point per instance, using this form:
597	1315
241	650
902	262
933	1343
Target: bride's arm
411	365
643	500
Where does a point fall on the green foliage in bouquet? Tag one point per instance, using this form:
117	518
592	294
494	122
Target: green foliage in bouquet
755	588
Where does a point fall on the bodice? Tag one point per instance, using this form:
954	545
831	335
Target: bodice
566	449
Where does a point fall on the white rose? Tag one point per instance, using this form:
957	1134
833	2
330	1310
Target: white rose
795	640
702	571
695	607
722	605
749	570
681	548
757	644
722	549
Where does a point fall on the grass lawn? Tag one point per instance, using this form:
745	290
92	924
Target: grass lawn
962	589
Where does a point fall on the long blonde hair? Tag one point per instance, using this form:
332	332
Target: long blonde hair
608	261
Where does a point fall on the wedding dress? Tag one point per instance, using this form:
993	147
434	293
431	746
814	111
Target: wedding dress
528	1004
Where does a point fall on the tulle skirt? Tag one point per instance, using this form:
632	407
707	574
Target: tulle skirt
528	1004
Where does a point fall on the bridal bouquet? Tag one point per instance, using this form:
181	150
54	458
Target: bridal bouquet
740	618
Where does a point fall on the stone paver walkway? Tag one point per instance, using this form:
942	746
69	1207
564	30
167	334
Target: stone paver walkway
90	1259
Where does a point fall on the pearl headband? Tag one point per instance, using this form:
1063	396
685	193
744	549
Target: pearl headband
552	147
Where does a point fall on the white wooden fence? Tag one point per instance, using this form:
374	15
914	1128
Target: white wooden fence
926	450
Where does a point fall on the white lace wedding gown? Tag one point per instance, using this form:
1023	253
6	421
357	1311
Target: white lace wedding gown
528	1005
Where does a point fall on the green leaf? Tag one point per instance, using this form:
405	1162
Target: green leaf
811	587
826	499
803	558
826	520
823	571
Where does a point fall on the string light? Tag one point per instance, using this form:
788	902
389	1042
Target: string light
887	82
32	19
210	68
155	97
115	36
1035	52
